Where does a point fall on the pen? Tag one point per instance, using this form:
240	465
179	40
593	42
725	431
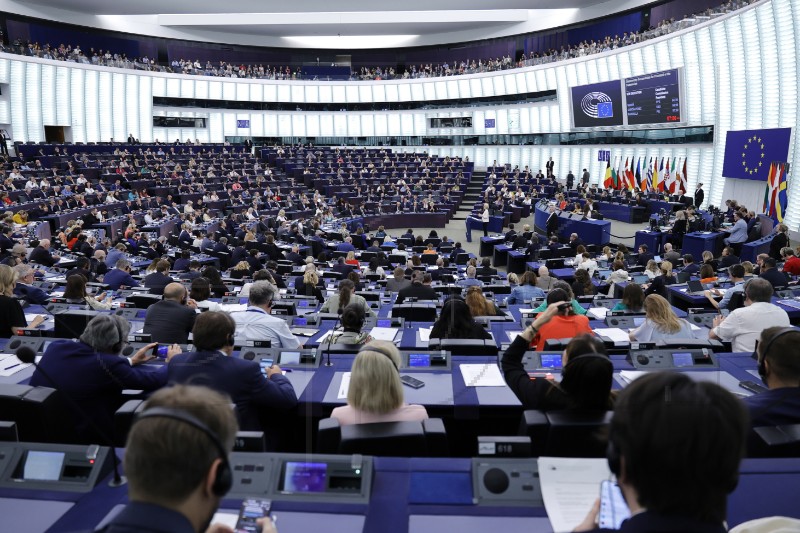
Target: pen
12	366
286	369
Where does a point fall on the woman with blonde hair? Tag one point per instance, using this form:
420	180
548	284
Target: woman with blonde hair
309	286
478	304
651	270
660	282
376	392
12	318
351	259
660	322
240	271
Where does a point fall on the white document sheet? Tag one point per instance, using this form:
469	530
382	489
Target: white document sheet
569	488
512	335
628	376
598	313
487	375
344	386
425	334
384	334
230	308
615	334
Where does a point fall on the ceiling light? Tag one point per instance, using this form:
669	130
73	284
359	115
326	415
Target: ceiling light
342	42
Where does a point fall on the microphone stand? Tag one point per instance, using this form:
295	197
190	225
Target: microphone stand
330	338
118	480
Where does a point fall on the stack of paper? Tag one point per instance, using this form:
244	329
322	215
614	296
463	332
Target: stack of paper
512	335
344	386
425	334
598	313
230	308
613	334
570	488
10	365
384	334
628	376
487	375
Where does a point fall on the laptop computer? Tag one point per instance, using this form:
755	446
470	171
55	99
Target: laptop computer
640	280
694	287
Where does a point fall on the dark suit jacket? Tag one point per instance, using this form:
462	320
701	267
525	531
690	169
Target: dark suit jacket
699	195
775	277
240	379
31	294
169	321
778	241
728	260
418	291
95	382
552	223
650	522
42	256
644	258
156	282
295	258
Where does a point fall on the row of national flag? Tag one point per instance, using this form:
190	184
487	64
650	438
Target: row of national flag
776	199
647	175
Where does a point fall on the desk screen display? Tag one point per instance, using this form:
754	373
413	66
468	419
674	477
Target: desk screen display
300	321
141	314
43	466
302	303
384	323
305	477
551	360
653	98
597	105
265	363
682	359
419	359
290	358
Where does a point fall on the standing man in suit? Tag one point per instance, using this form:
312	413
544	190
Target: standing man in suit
699	196
552	221
212	365
570	180
550	166
585	178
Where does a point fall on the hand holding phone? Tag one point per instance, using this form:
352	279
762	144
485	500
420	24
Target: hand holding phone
161	351
613	507
251	512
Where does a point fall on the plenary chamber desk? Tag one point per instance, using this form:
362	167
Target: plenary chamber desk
590	231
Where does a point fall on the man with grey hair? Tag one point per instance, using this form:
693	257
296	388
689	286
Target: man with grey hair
42	255
92	373
470	279
120	276
256	323
743	326
24	290
545	280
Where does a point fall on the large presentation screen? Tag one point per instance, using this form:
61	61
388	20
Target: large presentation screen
597	105
653	98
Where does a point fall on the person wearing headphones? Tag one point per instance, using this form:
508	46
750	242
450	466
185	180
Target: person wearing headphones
91	372
558	321
586	375
171	319
778	354
675	446
251	390
172	486
352	322
376	392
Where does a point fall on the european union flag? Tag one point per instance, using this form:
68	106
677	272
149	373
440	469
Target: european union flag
749	153
605	110
488	123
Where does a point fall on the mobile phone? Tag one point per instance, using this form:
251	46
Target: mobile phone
414	383
753	387
161	351
564	307
613	508
252	510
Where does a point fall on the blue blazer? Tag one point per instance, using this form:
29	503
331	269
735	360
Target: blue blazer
31	294
95	382
240	379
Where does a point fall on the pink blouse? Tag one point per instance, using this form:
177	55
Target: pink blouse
347	415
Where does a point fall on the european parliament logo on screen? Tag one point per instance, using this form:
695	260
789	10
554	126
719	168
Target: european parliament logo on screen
242	123
597	105
488	123
749	153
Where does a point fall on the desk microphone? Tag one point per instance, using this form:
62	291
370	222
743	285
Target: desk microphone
330	337
28	356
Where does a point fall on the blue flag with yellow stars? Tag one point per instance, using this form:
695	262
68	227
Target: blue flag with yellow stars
749	153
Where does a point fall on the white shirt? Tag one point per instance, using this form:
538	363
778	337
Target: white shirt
255	324
744	325
485	216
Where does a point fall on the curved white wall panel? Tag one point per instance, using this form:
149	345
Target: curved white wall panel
740	72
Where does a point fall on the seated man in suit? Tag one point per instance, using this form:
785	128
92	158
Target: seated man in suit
778	353
419	288
575	241
212	365
158	279
171	319
295	257
656	416
486	268
644	256
670	255
470	279
42	255
24	290
457	249
346	246
120	276
511	234
728	258
689	265
256	323
342	268
770	273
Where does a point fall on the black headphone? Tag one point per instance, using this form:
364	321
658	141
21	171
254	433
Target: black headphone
224	478
372	348
762	367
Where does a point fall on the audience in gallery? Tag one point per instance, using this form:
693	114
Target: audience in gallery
458	67
586	375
